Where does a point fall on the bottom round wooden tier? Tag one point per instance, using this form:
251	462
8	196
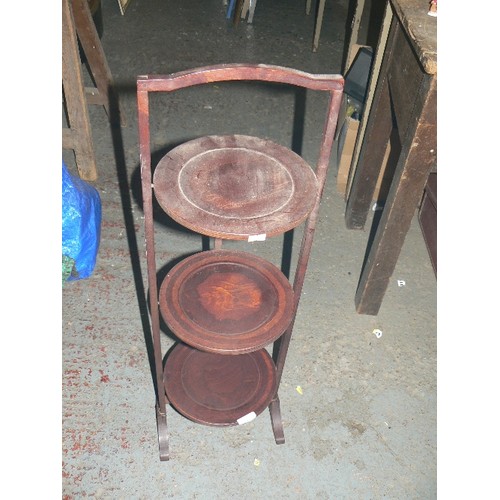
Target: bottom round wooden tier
219	390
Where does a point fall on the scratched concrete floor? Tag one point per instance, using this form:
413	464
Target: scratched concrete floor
364	423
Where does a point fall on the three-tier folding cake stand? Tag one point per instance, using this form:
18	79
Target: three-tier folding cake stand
226	306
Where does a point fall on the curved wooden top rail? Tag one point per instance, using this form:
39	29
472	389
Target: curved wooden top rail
239	72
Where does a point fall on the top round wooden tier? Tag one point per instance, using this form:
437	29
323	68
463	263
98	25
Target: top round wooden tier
235	187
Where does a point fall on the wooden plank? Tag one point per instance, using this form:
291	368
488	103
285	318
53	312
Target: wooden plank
372	84
123	4
378	131
405	79
244	9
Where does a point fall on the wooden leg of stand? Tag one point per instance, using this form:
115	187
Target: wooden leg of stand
276	421
161	422
78	136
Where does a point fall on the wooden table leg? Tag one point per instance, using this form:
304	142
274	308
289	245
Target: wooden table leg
253	4
244	9
319	23
79	136
416	160
98	64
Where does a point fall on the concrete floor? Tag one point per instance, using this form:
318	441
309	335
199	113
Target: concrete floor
364	423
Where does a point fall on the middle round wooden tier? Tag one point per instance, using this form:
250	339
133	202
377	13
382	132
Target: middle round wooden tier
235	186
226	301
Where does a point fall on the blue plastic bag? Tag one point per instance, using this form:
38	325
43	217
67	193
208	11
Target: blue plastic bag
81	224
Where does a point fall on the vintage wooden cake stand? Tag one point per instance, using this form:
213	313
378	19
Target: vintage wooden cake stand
226	306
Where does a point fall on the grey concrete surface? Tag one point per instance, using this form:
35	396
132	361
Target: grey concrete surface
363	424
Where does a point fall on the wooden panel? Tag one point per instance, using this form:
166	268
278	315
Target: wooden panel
378	131
372	83
405	79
